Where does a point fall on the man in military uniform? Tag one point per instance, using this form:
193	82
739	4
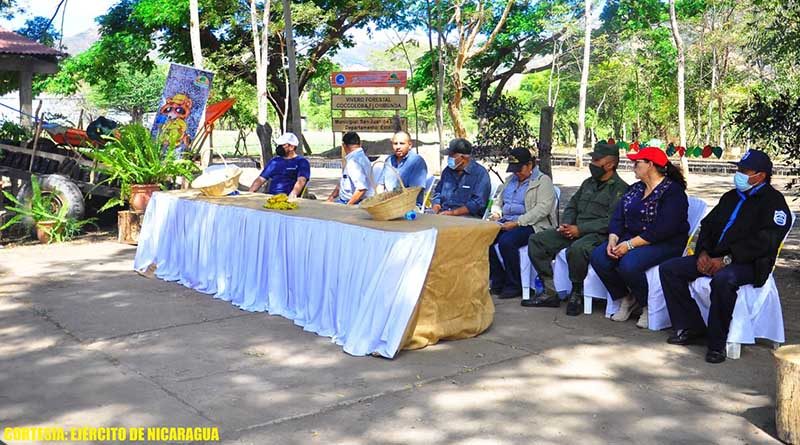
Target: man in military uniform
584	226
738	244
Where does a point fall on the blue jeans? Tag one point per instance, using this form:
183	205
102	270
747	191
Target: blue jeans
509	243
628	272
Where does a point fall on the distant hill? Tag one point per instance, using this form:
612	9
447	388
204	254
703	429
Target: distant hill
79	43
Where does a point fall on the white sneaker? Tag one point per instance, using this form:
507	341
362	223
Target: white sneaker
625	309
642	323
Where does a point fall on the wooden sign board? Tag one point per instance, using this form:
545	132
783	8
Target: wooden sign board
350	79
369	102
368	124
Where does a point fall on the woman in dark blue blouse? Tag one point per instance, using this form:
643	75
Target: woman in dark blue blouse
649	226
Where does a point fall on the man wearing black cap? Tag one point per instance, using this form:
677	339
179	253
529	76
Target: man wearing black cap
464	187
584	226
526	203
737	245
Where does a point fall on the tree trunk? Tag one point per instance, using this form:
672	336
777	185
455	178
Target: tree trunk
587	42
546	140
440	78
264	133
673	20
721	118
787	397
136	115
467	32
294	95
194	34
711	93
261	53
454	107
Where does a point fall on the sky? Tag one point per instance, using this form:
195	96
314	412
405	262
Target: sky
80	14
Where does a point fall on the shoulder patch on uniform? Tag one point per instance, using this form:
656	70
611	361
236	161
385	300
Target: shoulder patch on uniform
779	218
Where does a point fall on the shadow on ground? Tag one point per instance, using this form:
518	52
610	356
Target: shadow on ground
87	341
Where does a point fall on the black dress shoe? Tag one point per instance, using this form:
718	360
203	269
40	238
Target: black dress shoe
574	305
713	356
510	293
685	337
542	300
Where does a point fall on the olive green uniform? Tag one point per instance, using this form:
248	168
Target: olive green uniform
590	209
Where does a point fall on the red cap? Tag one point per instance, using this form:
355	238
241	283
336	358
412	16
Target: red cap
652	154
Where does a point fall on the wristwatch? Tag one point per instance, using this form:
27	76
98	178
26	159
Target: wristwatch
727	259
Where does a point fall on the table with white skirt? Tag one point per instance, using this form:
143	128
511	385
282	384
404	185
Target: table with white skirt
373	287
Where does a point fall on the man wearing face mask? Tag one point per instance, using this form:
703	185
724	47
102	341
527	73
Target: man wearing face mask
584	227
737	245
288	171
464	187
525	203
411	166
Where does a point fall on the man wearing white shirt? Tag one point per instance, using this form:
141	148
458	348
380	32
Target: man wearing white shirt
356	182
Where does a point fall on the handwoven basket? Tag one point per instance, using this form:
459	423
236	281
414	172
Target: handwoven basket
394	204
218	182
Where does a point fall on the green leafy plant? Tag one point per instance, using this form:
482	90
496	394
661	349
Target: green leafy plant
44	208
14	132
504	128
133	157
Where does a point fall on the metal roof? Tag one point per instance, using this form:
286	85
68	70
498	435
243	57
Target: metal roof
13	43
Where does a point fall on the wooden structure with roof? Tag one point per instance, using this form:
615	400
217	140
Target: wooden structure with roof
26	57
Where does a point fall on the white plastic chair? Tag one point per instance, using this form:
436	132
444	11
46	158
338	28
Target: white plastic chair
757	313
527	273
377	168
430	183
657	315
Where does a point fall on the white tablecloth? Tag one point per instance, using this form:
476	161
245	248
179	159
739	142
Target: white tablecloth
354	284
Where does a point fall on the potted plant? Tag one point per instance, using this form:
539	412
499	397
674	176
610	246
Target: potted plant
48	216
140	165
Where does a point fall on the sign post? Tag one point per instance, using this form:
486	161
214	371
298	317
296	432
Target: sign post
371	102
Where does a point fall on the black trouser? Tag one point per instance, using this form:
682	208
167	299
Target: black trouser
677	273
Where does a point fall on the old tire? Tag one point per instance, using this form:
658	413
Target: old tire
67	194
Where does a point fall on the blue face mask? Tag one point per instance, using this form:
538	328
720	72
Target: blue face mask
740	180
451	162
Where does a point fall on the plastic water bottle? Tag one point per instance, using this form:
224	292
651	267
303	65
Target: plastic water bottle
410	215
538	284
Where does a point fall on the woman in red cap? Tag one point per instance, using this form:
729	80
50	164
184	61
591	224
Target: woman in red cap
649	225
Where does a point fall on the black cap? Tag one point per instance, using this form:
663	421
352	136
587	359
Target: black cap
755	160
603	149
459	145
518	158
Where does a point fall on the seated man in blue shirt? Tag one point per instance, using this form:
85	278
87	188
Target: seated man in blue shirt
356	182
288	171
464	187
411	166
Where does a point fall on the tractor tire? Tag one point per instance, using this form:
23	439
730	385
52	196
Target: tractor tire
67	194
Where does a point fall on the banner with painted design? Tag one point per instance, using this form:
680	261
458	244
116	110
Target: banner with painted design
182	106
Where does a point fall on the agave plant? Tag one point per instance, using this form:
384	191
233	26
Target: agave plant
134	157
43	208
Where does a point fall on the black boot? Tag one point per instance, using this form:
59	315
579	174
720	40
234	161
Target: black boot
575	302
